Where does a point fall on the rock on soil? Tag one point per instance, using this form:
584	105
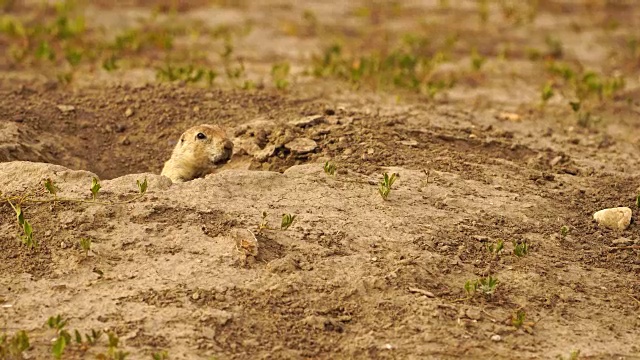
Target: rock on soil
614	218
302	145
307	121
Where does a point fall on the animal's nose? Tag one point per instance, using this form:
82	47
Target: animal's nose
228	145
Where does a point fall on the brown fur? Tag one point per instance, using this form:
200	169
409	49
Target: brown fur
193	157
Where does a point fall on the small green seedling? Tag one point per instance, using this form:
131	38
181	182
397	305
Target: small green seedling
95	187
77	336
386	183
287	220
497	247
56	322
13	347
27	237
113	351
487	285
264	223
547	92
142	186
564	231
518	318
329	168
574	355
113	340
638	200
477	60
85	244
93	338
470	287
279	73
52	188
575	106
160	355
110	63
520	249
63	337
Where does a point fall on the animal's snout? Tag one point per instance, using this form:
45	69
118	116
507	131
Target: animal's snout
228	145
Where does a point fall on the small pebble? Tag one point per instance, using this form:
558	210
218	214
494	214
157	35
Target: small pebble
496	338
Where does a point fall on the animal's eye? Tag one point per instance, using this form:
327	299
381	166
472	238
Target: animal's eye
201	136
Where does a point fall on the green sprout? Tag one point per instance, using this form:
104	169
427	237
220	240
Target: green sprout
160	355
497	247
95	187
547	92
85	245
93	338
110	63
575	106
142	186
52	188
638	200
279	73
287	220
477	60
13	347
329	168
487	285
27	229
470	287
264	223
63	337
518	318
113	351
520	249
386	183
564	231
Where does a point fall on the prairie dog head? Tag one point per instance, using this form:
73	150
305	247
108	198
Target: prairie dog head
197	152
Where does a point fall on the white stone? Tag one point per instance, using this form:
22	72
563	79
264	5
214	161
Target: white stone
614	218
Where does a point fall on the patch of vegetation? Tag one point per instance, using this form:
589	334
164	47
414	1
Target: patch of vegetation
520	249
85	245
477	60
160	355
518	318
486	286
574	355
95	188
496	248
385	185
287	221
12	347
409	66
329	168
50	187
280	73
587	84
564	231
547	92
186	73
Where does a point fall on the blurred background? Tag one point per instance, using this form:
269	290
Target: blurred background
487	50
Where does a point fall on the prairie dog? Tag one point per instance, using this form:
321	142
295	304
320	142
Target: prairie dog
196	154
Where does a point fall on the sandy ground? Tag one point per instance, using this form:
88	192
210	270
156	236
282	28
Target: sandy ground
354	277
